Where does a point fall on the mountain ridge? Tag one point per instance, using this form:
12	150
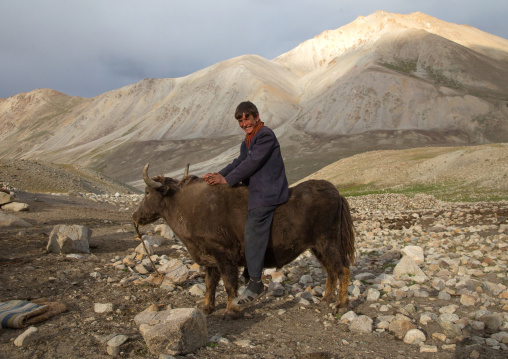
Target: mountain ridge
405	74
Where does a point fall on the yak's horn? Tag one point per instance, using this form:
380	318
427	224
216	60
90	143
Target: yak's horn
186	172
150	182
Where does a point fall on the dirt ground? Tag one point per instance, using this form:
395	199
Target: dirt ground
28	272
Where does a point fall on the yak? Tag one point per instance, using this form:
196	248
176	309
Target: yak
210	221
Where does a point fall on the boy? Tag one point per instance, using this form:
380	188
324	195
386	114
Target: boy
261	167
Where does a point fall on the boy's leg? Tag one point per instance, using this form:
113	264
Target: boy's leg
257	235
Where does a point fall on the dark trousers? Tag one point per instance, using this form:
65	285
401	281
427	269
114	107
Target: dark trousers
257	235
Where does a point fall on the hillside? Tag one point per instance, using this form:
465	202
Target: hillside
385	81
450	173
472	173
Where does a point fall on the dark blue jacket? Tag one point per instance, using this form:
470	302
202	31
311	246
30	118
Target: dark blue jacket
260	167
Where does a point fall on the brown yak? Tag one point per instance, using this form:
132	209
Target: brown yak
210	221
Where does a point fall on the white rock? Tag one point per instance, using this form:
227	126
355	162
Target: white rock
414	336
5	198
361	324
428	349
8	220
103	307
373	294
349	316
306	280
114	344
448	309
501	337
16	207
244	343
165	231
28	336
415	253
175	332
407	266
198	290
175	271
145	248
69	239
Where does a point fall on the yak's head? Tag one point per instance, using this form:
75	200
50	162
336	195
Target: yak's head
152	206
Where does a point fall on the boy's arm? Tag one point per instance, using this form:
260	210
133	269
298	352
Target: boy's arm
256	157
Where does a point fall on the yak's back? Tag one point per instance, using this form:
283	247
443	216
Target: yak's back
313	189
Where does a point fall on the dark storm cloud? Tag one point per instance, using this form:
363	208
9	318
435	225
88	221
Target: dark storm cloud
87	47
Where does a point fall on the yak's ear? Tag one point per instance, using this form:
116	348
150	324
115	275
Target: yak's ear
169	187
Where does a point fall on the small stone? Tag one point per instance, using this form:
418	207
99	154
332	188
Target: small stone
26	337
414	336
467	300
399	327
428	349
492	323
118	340
444	296
361	324
450	329
477	325
244	343
129	262
439	336
103	307
373	294
415	253
501	337
198	290
141	269
474	354
349	316
448	309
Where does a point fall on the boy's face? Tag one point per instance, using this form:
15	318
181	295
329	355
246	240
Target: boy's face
247	123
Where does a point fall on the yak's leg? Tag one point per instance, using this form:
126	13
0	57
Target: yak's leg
343	297
331	275
211	280
331	284
343	284
229	274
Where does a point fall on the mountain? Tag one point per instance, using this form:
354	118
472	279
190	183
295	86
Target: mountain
384	81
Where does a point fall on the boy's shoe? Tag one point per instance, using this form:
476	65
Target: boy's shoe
253	292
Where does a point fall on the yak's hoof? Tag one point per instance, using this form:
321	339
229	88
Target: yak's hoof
339	309
233	313
328	299
207	309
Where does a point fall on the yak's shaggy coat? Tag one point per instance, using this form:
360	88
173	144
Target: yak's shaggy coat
210	221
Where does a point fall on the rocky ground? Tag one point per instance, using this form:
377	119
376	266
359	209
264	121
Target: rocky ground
458	307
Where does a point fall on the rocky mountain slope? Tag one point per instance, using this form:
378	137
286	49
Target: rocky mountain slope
450	173
385	81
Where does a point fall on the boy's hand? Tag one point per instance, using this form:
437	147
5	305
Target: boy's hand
214	178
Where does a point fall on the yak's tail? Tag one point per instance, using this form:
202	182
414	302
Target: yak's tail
346	231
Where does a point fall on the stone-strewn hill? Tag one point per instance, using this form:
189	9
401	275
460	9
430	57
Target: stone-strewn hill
469	173
452	173
385	81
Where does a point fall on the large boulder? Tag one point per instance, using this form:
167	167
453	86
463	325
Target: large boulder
175	270
8	220
407	266
16	207
415	252
69	239
165	231
5	198
175	332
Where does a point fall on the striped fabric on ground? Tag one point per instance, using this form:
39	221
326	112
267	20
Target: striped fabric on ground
14	313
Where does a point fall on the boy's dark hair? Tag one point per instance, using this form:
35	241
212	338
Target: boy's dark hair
247	108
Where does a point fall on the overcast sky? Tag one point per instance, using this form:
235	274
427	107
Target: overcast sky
87	47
